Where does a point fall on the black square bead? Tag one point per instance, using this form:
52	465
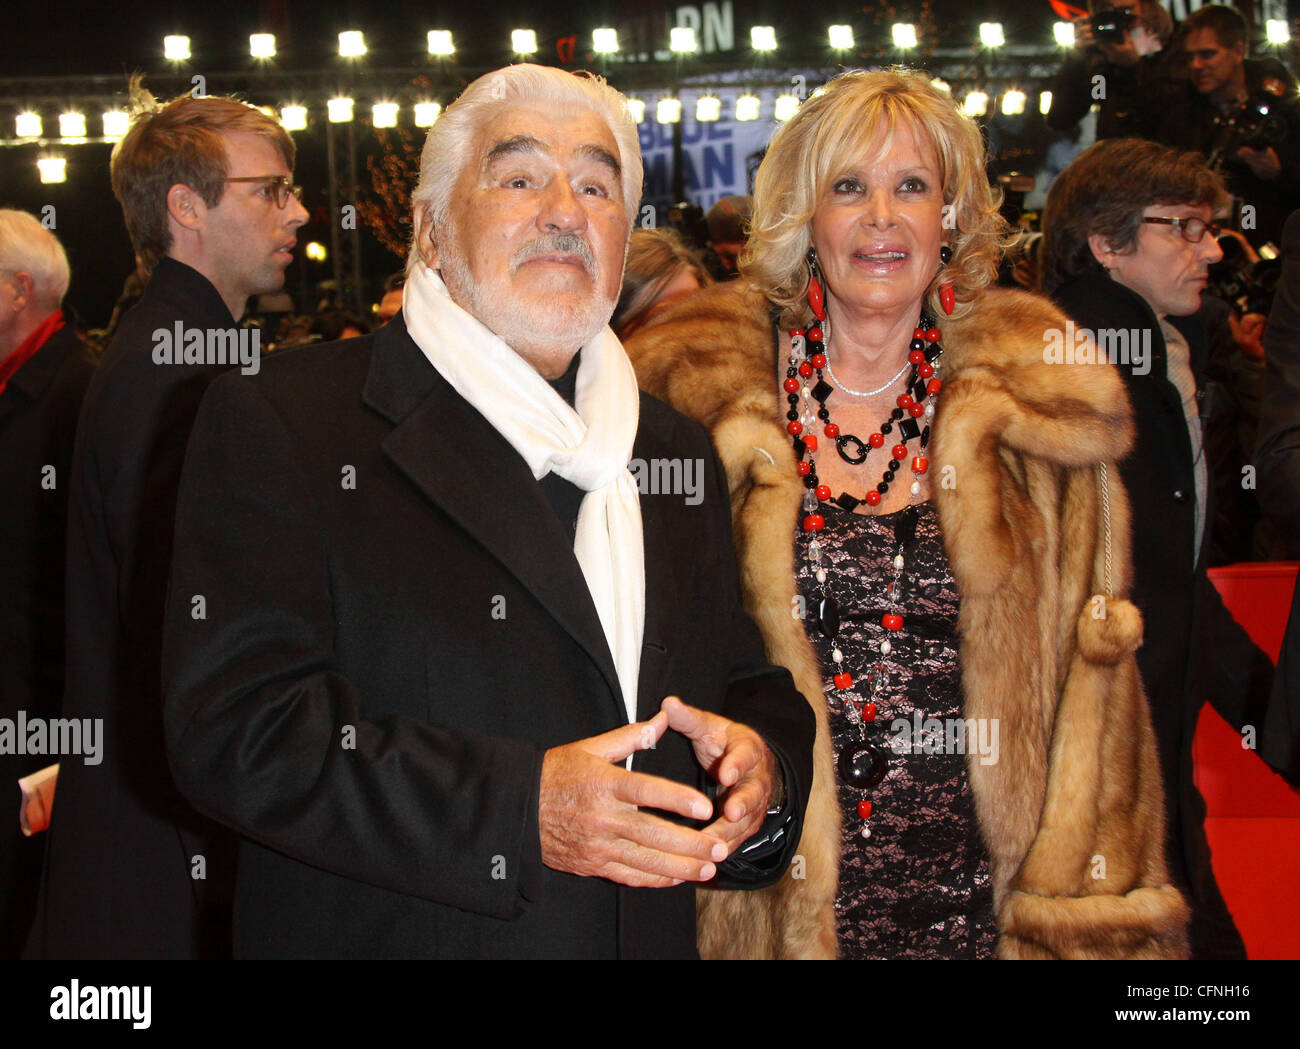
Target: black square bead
932	350
848	502
822	390
909	429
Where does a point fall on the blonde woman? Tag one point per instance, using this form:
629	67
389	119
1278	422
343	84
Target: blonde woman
938	507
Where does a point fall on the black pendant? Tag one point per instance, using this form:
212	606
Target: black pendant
909	429
847	502
863	765
828	616
853	460
905	527
822	390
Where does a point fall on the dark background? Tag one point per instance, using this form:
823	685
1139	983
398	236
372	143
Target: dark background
50	63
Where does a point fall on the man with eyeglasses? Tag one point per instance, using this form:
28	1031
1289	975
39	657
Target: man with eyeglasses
132	870
1128	239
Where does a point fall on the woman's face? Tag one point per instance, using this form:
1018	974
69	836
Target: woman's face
1167	270
878	229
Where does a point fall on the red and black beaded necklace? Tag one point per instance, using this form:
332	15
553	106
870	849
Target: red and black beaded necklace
865	763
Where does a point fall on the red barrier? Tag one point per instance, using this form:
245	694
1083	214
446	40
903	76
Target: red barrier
1253	817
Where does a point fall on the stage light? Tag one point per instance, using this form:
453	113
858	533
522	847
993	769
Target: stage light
976	104
1064	33
636	108
762	37
668	110
991	34
1277	31
708	108
352	43
939	84
426	113
440	42
340	110
747	107
384	114
841	37
604	41
785	107
72	125
1045	103
116	123
293	118
176	48
315	251
28	125
681	38
52	169
1013	102
261	45
904	35
523	41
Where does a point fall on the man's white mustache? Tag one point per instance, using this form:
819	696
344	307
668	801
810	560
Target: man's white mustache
553	243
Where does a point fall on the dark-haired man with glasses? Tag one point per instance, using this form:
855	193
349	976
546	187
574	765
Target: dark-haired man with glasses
1128	239
132	871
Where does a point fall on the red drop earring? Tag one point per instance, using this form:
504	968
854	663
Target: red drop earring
947	293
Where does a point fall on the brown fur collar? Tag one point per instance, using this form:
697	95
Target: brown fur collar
1071	812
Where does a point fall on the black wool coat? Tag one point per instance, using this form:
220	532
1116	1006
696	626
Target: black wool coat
377	627
38	421
121	858
1192	649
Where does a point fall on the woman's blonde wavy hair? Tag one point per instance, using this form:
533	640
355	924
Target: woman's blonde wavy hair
829	134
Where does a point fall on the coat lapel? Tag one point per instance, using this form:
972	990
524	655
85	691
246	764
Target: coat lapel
465	467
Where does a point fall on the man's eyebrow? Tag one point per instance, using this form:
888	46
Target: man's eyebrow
518	144
530	144
602	156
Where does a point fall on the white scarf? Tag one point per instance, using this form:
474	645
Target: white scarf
589	447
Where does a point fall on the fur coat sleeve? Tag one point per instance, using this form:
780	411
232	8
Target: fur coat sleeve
1036	528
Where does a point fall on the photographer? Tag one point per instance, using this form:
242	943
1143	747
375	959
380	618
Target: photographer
1119	61
1242	114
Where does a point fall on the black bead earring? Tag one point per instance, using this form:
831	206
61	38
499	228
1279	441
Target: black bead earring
945	254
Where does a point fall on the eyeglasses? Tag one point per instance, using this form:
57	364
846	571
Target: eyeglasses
1193	229
279	185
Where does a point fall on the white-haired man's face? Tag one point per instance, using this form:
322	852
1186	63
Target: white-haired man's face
537	231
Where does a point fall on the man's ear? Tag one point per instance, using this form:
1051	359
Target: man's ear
426	245
24	289
1101	250
186	207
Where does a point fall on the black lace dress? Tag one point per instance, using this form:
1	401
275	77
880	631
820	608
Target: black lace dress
918	886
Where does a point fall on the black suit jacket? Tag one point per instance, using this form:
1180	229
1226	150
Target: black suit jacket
394	630
1278	460
118	881
1192	649
38	421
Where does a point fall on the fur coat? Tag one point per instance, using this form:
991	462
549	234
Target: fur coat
1071	812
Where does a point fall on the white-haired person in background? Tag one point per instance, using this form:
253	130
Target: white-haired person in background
44	371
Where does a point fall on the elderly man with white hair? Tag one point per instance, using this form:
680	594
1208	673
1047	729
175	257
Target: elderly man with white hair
44	371
455	638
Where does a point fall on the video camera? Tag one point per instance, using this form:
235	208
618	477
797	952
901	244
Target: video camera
1247	286
1257	124
1110	24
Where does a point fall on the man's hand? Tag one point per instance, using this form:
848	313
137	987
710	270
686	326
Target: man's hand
1248	333
589	819
736	756
1263	162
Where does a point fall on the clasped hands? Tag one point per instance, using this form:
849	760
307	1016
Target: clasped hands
591	810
